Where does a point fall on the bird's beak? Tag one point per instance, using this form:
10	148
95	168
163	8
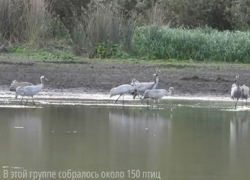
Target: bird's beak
46	79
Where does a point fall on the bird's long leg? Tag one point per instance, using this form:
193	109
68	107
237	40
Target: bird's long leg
158	101
123	99
27	100
148	105
152	105
33	100
22	100
117	99
236	103
141	100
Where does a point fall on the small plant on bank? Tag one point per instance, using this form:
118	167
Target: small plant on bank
103	51
42	54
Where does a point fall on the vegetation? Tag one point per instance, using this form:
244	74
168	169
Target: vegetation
121	29
46	55
198	44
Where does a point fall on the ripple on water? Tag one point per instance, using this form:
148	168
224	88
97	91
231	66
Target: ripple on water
239	108
19	106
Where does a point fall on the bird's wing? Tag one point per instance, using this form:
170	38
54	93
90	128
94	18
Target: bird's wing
15	84
144	86
233	89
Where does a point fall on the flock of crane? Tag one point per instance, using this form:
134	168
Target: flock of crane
146	90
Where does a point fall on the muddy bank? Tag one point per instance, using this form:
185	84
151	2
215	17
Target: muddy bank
99	76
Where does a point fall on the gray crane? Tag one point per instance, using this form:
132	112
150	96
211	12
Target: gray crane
245	93
141	87
157	94
122	90
15	84
30	91
236	91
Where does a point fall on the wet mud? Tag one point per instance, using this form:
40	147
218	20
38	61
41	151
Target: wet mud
99	76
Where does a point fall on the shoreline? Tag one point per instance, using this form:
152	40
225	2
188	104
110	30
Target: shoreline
68	95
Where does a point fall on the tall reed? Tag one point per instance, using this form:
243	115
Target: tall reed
38	19
12	24
162	42
100	30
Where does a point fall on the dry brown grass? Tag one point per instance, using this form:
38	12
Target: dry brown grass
38	20
12	19
25	20
100	25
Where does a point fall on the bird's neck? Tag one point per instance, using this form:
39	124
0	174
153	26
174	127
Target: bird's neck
42	82
237	82
156	79
134	84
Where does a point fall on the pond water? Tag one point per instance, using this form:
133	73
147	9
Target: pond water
180	140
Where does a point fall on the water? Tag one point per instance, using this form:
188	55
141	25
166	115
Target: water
180	140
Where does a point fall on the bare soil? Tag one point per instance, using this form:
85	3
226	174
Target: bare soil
92	76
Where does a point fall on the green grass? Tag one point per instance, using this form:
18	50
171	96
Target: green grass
162	42
40	54
26	52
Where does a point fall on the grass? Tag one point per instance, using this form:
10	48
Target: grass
25	54
40	54
64	53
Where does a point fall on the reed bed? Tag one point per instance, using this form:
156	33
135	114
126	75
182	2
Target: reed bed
162	42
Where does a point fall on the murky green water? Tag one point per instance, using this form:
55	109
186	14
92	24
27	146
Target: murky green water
194	140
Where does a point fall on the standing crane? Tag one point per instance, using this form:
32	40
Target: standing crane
245	93
157	94
30	91
141	87
122	90
236	91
